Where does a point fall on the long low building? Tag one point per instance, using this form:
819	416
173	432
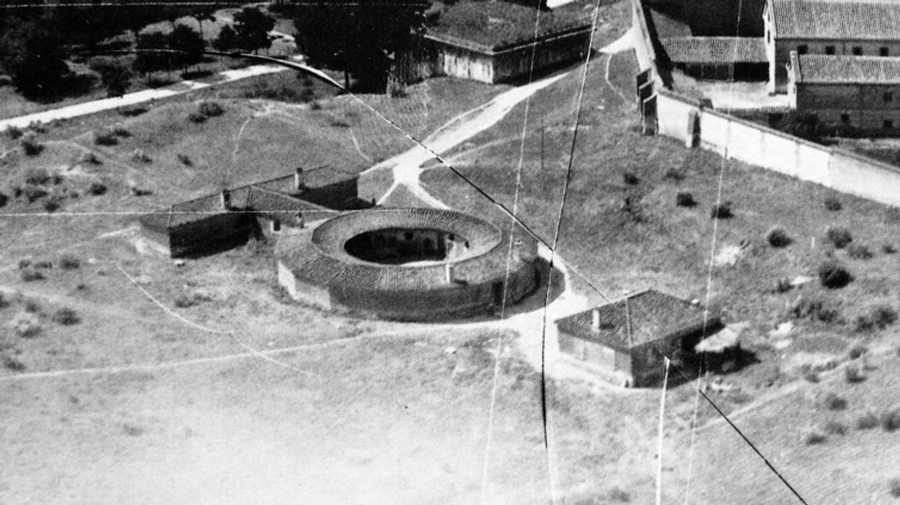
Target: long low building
731	58
857	91
499	41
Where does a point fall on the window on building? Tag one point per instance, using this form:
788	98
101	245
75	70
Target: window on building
845	118
884	51
829	49
888	96
857	50
888	124
802	49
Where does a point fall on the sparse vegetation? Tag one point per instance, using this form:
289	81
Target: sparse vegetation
835	428
69	262
833	401
890	420
833	204
721	211
685	199
839	236
30	144
859	252
30	275
813	436
833	275
867	420
674	174
89	158
37	176
105	138
65	316
778	237
879	317
12	132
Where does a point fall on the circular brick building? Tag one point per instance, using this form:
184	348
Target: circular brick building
408	264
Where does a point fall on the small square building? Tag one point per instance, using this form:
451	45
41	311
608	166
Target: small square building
631	337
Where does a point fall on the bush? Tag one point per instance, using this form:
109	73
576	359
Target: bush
24	263
684	199
839	236
105	138
140	156
97	188
858	350
196	117
37	176
30	144
894	485
617	495
185	160
890	420
3	199
721	211
90	158
674	174
65	316
812	436
630	179
33	193
69	262
888	249
867	420
880	317
859	252
211	109
778	237
783	285
119	130
137	110
834	402
833	204
853	375
32	306
29	275
833	275
12	132
183	301
53	203
11	362
835	428
26	325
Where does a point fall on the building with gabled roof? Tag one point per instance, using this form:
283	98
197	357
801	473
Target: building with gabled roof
858	91
830	28
630	337
718	57
495	41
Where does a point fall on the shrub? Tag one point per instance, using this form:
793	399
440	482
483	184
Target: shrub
12	132
858	350
119	130
33	193
89	157
11	362
888	249
835	428
839	236
339	123
867	420
32	306
53	203
30	144
894	485
24	263
684	199
853	375
890	420
210	109
721	211
196	117
29	275
833	275
833	204
880	317
812	436
105	138
183	301
140	156
778	237
617	495
674	174
97	188
26	325
185	159
859	252
65	316
783	285
630	179
835	402
69	262
3	199
37	176
37	127
133	111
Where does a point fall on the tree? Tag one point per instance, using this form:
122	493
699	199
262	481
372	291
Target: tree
252	27
115	75
33	57
148	60
203	14
363	39
227	39
190	43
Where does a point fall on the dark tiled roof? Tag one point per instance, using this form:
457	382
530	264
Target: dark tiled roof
821	69
646	316
270	203
496	25
712	50
839	20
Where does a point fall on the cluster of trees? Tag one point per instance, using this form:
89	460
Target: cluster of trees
364	38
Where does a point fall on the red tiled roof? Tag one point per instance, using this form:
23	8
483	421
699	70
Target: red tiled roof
712	50
822	69
837	19
637	319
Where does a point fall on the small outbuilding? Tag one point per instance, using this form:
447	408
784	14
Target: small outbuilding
632	336
496	41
